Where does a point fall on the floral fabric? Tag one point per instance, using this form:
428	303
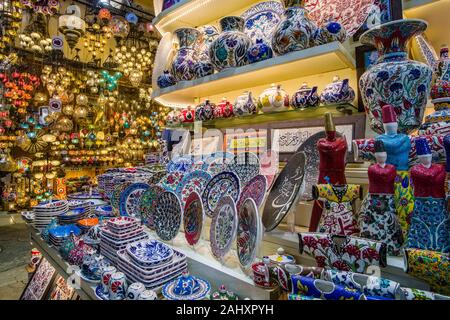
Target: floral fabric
430	226
378	221
430	266
404	200
346	253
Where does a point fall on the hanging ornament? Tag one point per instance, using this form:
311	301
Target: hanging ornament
71	25
110	82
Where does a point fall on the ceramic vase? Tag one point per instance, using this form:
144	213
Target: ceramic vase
245	104
395	79
295	32
117	286
273	99
185	59
259	51
329	32
224	109
337	92
166	80
205	111
230	48
305	97
204	67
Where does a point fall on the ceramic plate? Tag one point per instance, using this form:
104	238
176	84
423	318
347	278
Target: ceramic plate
167	217
246	166
255	189
223	227
171	181
115	197
248	232
147	204
130	199
222	184
192	181
284	191
262	19
193	218
351	14
168	290
183	164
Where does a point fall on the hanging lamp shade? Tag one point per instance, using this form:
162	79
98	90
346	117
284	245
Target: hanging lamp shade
71	25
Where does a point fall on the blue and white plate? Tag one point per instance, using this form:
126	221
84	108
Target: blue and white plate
150	253
130	199
246	166
167	216
221	185
186	287
192	181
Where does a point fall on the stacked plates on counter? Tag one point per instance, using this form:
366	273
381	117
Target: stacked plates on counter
105	211
151	262
75	204
28	216
72	216
118	233
45	211
58	235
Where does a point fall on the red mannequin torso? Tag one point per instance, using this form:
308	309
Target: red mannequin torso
381	179
428	182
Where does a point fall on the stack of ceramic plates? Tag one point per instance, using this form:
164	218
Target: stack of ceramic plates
28	216
104	211
151	262
45	211
58	235
75	204
72	216
118	233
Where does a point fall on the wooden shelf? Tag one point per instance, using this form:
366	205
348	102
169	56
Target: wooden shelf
194	13
316	60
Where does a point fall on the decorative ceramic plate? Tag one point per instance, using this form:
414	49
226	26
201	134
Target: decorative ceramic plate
351	14
167	217
115	197
147	205
262	19
170	181
183	164
255	189
149	252
248	232
223	184
284	191
193	218
130	199
246	166
64	231
192	181
223	227
225	157
201	290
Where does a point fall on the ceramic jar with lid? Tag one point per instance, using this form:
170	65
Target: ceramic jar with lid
259	51
245	104
186	56
134	290
205	111
337	92
224	109
166	80
230	48
296	31
273	99
187	115
305	97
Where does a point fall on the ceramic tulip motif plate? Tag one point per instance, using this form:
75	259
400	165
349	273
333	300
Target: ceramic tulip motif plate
223	227
248	232
192	181
351	14
147	205
284	191
262	19
193	218
171	181
255	190
167	216
221	185
246	166
130	199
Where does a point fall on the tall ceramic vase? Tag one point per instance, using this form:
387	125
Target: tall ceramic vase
183	65
296	31
395	79
230	48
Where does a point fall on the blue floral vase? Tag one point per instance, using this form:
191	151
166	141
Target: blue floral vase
259	51
203	69
166	80
186	57
394	79
230	48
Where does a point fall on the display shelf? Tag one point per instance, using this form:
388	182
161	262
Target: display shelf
316	60
411	4
86	290
193	13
